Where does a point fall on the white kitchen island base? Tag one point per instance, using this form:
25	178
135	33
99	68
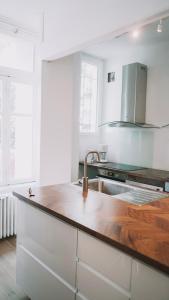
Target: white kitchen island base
56	261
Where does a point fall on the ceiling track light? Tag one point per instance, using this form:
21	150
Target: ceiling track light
160	26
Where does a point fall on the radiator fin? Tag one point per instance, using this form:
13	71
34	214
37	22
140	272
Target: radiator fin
7	215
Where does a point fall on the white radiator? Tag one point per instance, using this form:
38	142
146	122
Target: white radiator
7	215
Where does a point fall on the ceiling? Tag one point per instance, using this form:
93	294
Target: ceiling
70	24
147	36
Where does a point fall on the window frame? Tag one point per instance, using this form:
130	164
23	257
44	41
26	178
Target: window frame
99	63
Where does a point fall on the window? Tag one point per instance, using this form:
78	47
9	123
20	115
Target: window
16	134
17	145
89	97
20	117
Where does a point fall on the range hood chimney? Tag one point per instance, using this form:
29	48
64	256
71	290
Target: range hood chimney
133	99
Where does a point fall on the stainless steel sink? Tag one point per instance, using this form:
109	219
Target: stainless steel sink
125	192
108	187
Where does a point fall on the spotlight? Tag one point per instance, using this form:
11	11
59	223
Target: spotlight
160	26
135	33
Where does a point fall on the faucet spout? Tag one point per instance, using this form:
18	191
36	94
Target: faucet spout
85	178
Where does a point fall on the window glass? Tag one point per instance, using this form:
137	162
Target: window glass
89	70
89	97
1	94
20	148
0	149
21	99
16	53
0	131
21	96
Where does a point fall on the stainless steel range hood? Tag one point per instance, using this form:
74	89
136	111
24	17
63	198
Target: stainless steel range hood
133	99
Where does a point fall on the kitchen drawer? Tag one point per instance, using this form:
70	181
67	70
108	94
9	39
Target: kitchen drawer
94	286
49	239
112	263
39	282
148	284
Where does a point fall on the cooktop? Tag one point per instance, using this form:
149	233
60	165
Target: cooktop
118	166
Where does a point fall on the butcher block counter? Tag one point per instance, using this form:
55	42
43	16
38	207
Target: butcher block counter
140	233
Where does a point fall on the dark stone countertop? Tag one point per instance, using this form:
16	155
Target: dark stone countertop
142	173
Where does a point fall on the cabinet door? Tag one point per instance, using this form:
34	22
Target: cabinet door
49	239
148	284
110	262
39	282
92	285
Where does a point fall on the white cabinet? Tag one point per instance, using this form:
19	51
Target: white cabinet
38	281
80	297
51	240
112	263
103	272
148	284
94	286
46	247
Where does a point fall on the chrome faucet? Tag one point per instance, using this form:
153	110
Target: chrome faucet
85	178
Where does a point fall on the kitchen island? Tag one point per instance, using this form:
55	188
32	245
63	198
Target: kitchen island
92	248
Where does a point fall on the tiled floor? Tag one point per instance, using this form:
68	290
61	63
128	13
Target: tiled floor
8	288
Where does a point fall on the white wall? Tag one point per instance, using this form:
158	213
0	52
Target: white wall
88	142
140	147
58	121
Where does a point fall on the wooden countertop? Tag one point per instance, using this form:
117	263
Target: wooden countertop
142	232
